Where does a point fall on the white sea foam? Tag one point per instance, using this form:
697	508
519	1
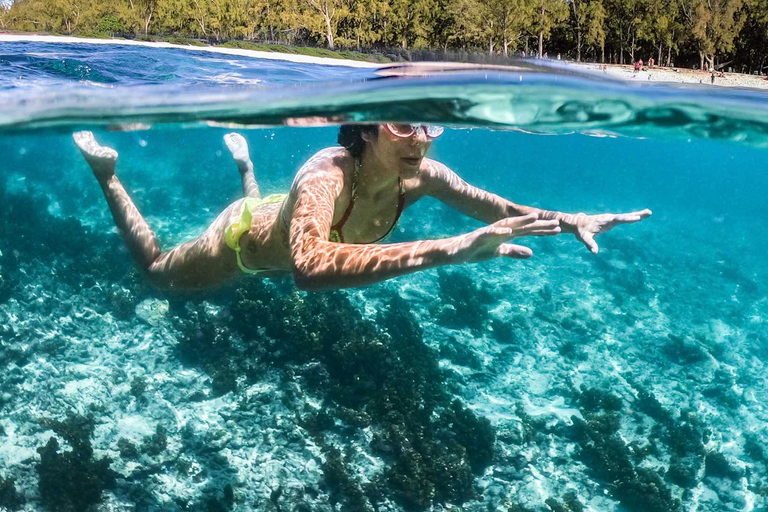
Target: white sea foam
234	78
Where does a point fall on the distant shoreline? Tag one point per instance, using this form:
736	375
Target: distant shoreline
303	59
621	71
676	75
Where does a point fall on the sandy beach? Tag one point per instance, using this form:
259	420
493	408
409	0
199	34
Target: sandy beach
677	75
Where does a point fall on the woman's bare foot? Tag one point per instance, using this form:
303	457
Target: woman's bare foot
239	148
101	158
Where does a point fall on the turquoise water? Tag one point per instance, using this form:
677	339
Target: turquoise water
629	380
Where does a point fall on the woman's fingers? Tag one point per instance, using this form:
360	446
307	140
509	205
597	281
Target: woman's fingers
516	222
530	221
525	219
515	251
625	218
539	228
544	224
589	241
543	232
644	213
536	228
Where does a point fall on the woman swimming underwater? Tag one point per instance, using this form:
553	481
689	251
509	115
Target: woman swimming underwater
343	201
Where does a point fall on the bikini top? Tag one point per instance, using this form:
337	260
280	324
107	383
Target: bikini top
335	234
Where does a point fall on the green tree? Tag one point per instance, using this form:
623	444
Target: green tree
462	23
623	18
587	19
227	18
547	14
408	22
713	24
659	24
288	19
511	18
110	25
324	17
361	27
59	16
200	11
595	27
142	13
258	19
6	19
752	43
172	17
5	16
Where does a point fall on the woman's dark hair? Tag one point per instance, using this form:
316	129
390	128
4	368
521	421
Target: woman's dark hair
351	137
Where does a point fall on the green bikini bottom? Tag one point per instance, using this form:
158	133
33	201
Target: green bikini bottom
235	231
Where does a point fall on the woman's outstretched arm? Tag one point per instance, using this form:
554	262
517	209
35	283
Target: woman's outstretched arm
319	263
445	185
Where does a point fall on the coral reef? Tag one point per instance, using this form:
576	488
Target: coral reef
122	302
716	465
754	449
433	445
682	351
205	342
72	481
156	443
344	487
465	302
6	284
127	449
138	387
684	436
722	390
459	353
10	499
570	503
611	460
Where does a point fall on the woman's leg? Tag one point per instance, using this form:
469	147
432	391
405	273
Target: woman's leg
136	233
198	263
239	148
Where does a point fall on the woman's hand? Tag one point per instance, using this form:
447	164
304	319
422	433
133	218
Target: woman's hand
587	227
493	240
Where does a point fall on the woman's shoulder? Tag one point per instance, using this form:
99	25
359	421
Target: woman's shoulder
329	166
432	169
434	175
331	159
335	154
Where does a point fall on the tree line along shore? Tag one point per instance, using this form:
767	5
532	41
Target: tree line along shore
720	34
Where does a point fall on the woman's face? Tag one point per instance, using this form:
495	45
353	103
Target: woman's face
401	154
